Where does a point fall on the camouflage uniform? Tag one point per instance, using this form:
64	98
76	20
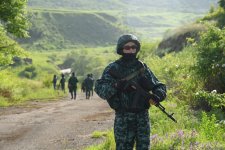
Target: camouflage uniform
88	86
62	83
131	123
54	81
72	85
92	84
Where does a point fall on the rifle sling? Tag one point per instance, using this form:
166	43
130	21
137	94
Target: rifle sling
134	74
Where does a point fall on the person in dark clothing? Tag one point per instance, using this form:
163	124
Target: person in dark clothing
62	83
72	85
82	87
88	86
132	123
92	84
54	81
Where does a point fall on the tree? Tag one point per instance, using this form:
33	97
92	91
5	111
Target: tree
13	17
211	59
13	21
8	49
222	3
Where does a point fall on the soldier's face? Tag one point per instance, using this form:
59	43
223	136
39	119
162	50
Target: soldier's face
130	48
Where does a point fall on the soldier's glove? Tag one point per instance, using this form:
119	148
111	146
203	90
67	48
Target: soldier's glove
153	97
121	85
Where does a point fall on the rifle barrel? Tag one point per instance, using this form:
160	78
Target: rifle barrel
163	110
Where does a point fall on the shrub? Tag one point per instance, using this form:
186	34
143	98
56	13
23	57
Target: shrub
209	128
47	81
29	72
208	100
210	64
30	68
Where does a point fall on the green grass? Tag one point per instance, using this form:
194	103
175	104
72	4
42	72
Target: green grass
16	88
191	131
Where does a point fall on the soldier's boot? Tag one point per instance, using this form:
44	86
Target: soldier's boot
71	96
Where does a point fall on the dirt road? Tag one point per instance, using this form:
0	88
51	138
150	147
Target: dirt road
56	125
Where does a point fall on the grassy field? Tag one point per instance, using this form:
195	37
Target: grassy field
29	82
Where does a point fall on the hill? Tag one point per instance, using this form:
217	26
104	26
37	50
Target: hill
96	22
60	29
150	18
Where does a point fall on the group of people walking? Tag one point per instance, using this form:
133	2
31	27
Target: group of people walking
87	85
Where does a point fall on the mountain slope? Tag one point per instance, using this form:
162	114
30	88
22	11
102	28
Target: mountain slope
64	29
98	22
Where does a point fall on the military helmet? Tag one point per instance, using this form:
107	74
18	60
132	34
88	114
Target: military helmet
125	39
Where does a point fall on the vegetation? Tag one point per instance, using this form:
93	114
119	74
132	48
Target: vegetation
216	15
195	81
29	82
194	76
197	127
176	40
70	24
12	20
211	59
8	49
71	29
13	17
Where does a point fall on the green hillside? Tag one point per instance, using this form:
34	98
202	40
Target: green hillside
60	29
96	22
157	15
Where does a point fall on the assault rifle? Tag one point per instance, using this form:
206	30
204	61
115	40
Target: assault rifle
140	90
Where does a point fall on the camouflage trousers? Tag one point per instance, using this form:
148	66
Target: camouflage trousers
131	128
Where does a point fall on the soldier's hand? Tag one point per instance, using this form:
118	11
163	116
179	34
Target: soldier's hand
153	99
152	102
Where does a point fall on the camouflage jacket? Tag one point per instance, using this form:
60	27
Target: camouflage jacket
72	83
120	100
88	83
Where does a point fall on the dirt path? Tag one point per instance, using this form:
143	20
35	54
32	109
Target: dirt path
65	124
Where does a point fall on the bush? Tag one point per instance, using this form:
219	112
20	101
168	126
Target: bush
208	100
211	59
30	68
29	72
209	127
47	82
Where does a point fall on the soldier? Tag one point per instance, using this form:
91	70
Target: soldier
54	81
92	84
88	85
62	83
82	87
132	123
72	85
